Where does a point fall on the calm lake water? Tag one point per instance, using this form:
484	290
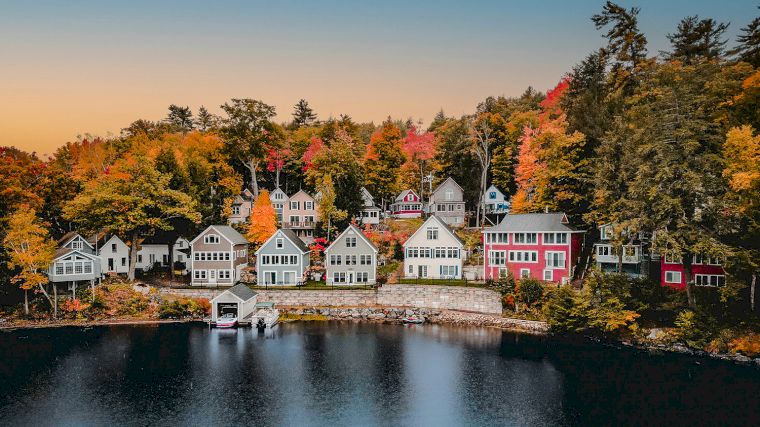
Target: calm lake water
359	374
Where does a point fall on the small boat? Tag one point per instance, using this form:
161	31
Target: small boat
227	320
413	320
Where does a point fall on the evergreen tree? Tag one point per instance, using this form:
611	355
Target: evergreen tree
303	115
626	43
454	157
748	49
180	118
438	121
697	39
205	120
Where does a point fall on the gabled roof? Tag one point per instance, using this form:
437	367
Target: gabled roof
277	190
400	197
367	197
449	179
493	188
247	194
357	231
71	235
99	239
535	222
299	192
241	291
61	252
441	223
229	234
290	235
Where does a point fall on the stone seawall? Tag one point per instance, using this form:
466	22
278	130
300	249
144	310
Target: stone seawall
477	300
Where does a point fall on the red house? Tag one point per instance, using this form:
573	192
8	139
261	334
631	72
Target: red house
542	246
407	205
707	271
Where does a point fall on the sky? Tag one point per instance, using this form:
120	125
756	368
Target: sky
70	68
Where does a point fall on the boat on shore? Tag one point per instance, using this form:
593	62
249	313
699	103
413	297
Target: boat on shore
227	320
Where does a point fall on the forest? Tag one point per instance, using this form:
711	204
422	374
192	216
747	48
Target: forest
665	143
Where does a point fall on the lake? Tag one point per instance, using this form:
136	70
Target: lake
361	374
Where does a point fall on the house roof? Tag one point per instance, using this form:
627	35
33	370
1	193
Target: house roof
228	233
535	222
400	197
290	235
161	237
241	291
61	252
301	191
444	183
357	231
441	223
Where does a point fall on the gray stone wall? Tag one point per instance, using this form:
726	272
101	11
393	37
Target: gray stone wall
459	298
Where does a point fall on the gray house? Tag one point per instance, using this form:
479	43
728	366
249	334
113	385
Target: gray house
218	256
74	262
282	260
447	202
351	259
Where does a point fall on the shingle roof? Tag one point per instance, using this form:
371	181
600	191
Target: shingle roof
537	222
231	234
357	231
62	251
66	238
291	235
242	291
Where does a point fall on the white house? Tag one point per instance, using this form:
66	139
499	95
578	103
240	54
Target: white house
282	259
238	300
434	251
495	201
351	259
278	198
370	214
154	251
241	207
113	253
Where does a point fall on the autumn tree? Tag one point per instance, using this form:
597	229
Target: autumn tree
328	212
131	199
697	39
249	134
262	223
383	161
482	133
419	149
180	118
303	115
30	252
454	157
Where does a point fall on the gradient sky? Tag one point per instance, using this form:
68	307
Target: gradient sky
74	67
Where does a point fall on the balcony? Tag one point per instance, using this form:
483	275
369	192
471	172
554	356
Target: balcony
299	224
606	254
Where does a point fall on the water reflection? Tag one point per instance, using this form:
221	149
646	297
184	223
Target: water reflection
345	373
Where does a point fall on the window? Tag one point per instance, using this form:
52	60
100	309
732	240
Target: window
123	261
76	244
555	259
525	238
449	194
295	219
223	274
294	205
492	195
449	270
503	273
672	277
432	233
497	258
308	205
279	243
362	277
211	239
523	256
548	275
672	259
709	279
58	268
139	258
308	219
339	277
411	269
555	238
705	260
524	273
365	259
88	267
69	268
335	259
603	250
350	242
350	259
199	274
113	247
236	209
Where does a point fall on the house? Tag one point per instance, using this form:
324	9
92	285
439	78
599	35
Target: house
300	215
154	251
433	251
113	253
632	257
542	246
495	202
282	260
370	213
447	202
238	300
74	262
705	270
218	256
407	205
241	207
351	259
278	198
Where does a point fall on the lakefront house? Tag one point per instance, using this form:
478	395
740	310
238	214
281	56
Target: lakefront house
300	215
494	201
351	259
433	251
112	251
282	260
74	262
541	246
407	205
447	202
218	256
154	252
630	257
706	271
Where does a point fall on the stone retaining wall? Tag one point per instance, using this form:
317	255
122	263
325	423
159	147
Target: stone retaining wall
460	298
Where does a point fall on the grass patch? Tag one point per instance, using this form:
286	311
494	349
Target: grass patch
303	317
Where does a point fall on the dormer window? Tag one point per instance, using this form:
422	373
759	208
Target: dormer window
77	245
211	239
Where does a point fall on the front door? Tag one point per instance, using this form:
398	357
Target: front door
212	277
288	278
110	264
350	278
422	271
270	277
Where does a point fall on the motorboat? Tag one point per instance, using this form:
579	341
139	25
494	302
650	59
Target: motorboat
226	320
414	320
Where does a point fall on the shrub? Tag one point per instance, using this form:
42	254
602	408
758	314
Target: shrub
748	345
694	329
530	291
185	307
564	311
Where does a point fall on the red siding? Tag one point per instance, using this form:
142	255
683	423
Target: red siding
695	269
571	250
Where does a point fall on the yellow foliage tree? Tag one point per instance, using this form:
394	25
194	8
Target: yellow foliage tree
263	221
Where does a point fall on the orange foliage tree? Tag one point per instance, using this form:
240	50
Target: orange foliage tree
263	221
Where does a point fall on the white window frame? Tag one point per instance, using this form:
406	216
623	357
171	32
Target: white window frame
279	243
674	274
522	254
548	275
495	256
525	273
549	255
211	239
